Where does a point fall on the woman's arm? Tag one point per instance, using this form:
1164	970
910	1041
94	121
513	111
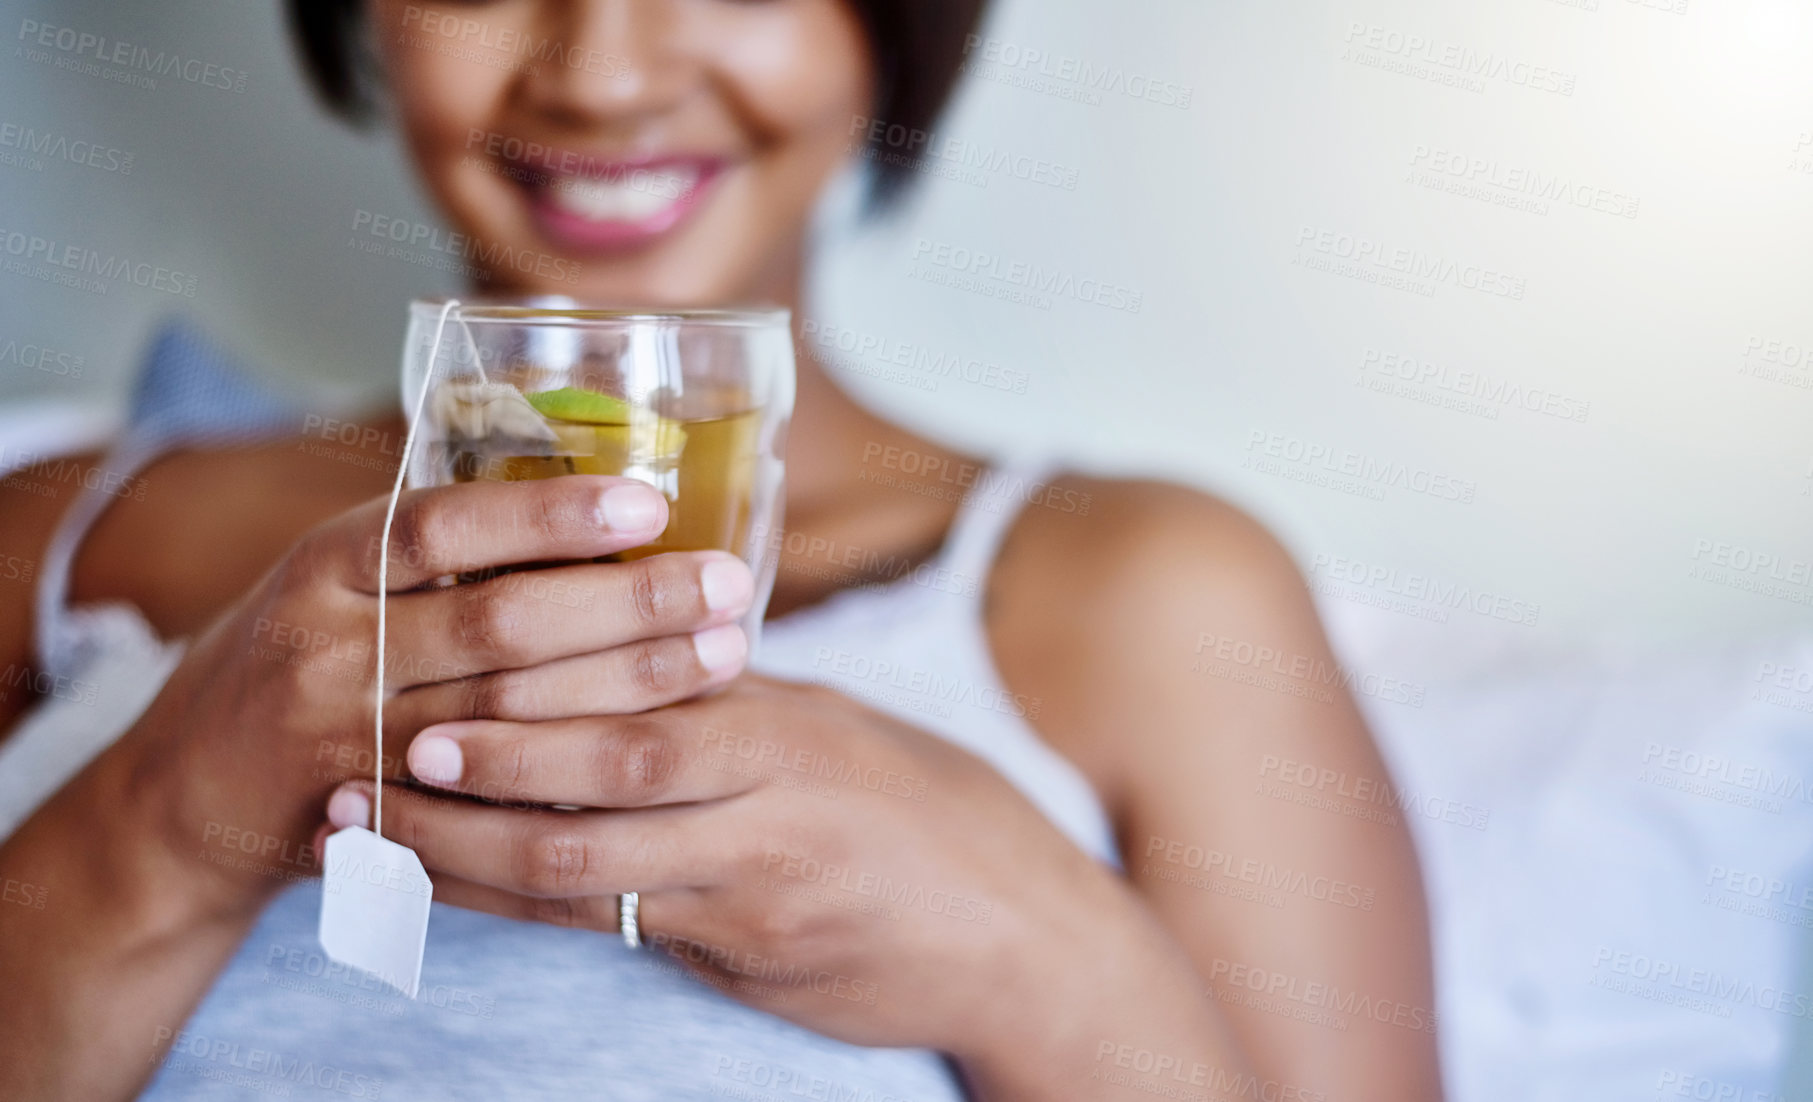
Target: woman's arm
1098	1001
123	935
104	934
1189	677
183	538
121	928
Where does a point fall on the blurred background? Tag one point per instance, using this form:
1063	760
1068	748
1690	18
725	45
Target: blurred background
1496	312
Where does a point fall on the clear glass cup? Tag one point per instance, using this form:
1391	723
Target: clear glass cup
695	403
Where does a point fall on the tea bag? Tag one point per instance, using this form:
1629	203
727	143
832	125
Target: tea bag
491	417
375	894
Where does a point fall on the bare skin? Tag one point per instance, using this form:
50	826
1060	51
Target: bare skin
1114	621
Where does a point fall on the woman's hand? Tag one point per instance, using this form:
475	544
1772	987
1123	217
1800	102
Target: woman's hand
157	858
274	705
809	856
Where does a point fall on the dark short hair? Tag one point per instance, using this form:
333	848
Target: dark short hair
918	47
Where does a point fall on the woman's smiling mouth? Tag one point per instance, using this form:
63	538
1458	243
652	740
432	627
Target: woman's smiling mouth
616	205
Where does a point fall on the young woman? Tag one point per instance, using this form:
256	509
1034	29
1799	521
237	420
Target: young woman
1053	854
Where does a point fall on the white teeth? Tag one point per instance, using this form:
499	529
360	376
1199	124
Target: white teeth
628	196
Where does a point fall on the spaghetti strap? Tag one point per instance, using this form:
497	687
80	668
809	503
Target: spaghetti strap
989	508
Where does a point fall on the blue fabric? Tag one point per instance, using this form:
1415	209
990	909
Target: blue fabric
512	1010
191	392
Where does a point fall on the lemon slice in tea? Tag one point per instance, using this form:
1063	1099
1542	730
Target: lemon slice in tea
589	407
592	424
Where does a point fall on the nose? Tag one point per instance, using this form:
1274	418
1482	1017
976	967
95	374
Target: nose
608	61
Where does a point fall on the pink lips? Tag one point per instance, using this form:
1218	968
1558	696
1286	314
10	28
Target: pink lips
566	221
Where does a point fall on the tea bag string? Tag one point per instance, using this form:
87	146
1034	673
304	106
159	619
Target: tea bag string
390	514
478	358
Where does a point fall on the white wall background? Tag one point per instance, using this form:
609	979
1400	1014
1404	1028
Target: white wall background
1307	124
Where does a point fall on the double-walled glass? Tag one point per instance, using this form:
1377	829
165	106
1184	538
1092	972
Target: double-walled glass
693	402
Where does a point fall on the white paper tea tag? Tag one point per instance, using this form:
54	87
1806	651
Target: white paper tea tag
374	907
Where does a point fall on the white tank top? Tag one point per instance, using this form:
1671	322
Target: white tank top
917	647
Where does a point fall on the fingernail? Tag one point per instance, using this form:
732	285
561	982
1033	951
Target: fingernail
349	807
435	759
630	508
720	648
727	584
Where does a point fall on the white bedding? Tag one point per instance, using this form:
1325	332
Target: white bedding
44	428
1585	938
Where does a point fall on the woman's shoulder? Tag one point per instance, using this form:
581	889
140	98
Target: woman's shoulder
1124	545
1102	611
